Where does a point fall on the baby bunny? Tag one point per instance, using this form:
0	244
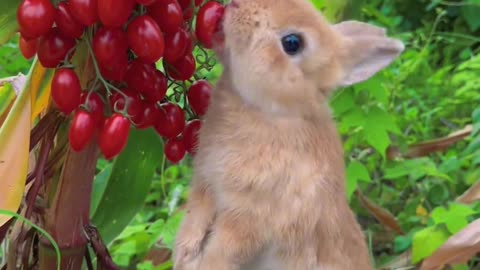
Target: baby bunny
268	190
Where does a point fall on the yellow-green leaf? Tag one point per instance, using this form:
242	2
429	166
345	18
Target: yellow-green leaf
40	83
14	152
7	96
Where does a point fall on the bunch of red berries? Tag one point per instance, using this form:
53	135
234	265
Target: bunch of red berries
126	39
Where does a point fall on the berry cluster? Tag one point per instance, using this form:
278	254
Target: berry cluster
125	39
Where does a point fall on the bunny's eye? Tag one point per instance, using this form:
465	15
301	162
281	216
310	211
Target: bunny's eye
292	44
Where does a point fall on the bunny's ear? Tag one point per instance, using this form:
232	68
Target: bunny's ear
368	50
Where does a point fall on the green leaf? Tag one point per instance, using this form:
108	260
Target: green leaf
99	184
129	183
7	96
170	230
378	139
356	171
455	217
470	13
8	19
427	241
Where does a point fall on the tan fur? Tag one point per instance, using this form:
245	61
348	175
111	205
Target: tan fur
269	187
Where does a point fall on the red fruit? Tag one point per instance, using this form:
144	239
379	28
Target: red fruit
187	8
208	19
199	96
174	150
81	130
84	11
95	106
150	115
146	39
176	45
114	135
109	44
115	13
135	106
147	80
66	23
66	90
35	17
117	70
146	2
182	69
28	48
167	13
171	121
190	136
53	48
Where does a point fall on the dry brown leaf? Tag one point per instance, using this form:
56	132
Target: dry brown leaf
428	147
471	195
459	248
382	215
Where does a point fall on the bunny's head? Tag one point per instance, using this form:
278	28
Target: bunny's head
283	56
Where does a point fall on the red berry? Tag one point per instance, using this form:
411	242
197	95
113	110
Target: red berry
95	106
187	8
35	17
171	121
182	69
66	90
175	45
53	48
190	136
147	80
208	18
108	45
117	70
114	135
81	130
146	2
146	39
135	106
84	11
150	115
167	13
28	48
115	13
174	150
66	23
199	96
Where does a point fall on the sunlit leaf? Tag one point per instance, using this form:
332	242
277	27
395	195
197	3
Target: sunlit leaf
40	86
427	241
129	183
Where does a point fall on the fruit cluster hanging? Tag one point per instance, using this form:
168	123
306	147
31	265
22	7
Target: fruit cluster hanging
125	39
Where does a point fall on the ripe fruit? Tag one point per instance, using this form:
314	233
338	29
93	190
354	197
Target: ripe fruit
171	121
147	80
53	48
207	23
199	96
114	135
146	2
114	13
108	45
28	48
182	69
190	136
35	18
174	150
132	101
81	130
150	115
84	11
95	106
146	39
175	45
167	13
66	23
66	90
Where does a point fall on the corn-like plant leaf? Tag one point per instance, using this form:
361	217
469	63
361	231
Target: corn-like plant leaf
8	19
128	184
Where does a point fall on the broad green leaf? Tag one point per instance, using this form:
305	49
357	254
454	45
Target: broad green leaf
8	19
455	217
378	139
170	229
470	13
427	241
14	152
356	171
99	184
129	183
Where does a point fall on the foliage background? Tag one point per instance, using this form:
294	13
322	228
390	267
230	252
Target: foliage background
430	92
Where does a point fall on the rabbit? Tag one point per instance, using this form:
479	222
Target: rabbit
268	184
